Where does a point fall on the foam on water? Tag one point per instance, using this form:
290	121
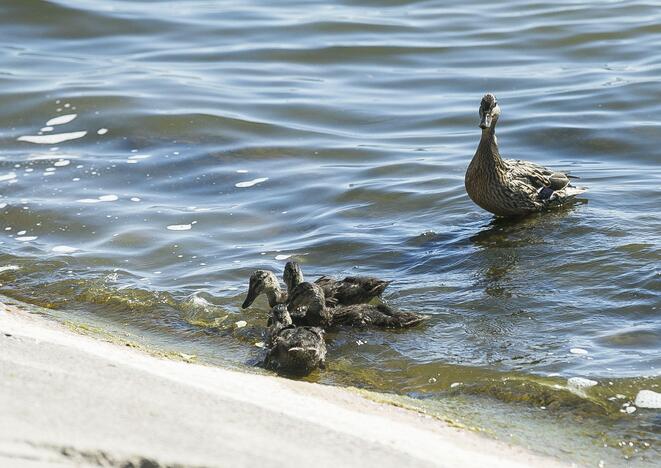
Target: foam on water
65	249
250	183
179	227
61	120
53	138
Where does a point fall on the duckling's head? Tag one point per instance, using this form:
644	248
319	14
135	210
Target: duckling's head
261	281
280	314
293	275
489	111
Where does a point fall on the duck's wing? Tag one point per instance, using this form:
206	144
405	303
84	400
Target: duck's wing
379	316
550	188
536	175
352	289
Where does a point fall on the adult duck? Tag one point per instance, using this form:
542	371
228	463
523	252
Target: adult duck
293	350
508	187
348	291
308	303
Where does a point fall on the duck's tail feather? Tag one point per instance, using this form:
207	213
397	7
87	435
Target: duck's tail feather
571	191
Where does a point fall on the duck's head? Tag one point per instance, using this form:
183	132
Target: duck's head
293	275
261	281
280	314
489	111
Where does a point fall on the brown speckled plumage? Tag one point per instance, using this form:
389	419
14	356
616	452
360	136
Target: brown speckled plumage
507	187
348	291
308	307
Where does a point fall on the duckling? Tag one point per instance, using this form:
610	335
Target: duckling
508	187
264	282
307	303
293	350
350	290
310	298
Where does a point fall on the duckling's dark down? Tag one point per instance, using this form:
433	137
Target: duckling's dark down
308	306
508	187
348	291
293	350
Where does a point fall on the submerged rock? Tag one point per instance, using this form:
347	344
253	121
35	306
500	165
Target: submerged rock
648	399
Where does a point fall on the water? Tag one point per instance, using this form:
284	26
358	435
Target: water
214	138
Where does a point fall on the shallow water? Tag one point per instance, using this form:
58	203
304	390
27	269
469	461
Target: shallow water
197	141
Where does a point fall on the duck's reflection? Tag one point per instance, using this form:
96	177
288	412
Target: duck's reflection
502	244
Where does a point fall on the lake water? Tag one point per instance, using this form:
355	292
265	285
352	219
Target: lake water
154	153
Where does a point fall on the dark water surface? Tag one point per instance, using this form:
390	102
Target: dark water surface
222	137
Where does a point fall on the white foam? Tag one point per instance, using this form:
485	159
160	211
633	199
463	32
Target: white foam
200	301
2	205
61	120
8	176
52	139
20	233
140	156
102	131
46	129
578	385
648	399
241	324
9	268
26	238
89	200
180	227
135	199
64	249
241	171
282	257
62	163
102	198
250	183
578	351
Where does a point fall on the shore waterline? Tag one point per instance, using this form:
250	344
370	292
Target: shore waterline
212	139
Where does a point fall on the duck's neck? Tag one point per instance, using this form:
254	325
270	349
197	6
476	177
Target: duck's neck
487	155
295	281
276	296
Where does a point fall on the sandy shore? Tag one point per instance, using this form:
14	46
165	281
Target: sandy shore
69	399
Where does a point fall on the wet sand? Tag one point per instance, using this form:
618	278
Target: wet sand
70	399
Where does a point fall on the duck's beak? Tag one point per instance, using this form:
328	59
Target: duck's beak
250	298
485	122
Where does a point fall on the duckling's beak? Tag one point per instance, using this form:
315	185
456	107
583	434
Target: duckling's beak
485	122
250	298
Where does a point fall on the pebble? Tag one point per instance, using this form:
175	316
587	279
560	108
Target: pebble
241	324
